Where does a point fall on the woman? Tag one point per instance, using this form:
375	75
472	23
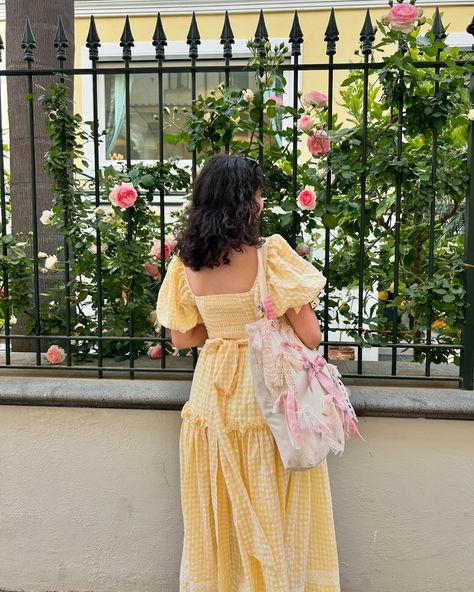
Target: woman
249	525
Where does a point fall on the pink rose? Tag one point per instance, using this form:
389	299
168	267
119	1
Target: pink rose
55	354
306	199
124	195
319	143
156	248
318	99
152	270
306	123
170	240
278	100
155	352
403	17
93	248
302	249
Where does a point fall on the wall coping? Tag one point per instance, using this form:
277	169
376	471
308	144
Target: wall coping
374	400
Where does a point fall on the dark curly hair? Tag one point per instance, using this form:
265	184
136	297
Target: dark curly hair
224	212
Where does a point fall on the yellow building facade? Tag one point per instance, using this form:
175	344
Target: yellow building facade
176	18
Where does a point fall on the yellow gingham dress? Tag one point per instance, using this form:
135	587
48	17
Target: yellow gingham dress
249	525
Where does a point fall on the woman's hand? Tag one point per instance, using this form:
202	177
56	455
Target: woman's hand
195	337
306	325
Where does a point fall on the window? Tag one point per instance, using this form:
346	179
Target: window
144	124
145	128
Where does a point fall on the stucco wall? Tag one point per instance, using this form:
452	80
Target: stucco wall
89	501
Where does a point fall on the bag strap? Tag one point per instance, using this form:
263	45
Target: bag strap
262	270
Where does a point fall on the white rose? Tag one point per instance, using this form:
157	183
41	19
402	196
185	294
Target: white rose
99	211
46	217
248	95
218	94
111	218
13	320
470	115
50	262
42	255
266	79
392	259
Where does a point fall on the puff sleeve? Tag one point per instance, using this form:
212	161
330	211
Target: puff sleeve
176	307
292	280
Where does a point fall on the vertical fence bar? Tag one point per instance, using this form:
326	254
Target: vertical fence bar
193	40
3	213
127	42
61	44
93	44
440	34
227	39
367	37
261	35
331	37
398	200
467	353
159	42
29	44
295	39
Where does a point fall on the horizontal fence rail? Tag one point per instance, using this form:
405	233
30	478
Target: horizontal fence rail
123	351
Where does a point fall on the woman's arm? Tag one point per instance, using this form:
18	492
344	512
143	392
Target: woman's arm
195	337
306	325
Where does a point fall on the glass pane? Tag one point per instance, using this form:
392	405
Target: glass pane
144	123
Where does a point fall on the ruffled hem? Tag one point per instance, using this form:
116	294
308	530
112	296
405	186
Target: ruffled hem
230	426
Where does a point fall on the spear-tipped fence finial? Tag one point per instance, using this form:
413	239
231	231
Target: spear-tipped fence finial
367	35
93	41
61	42
193	39
127	41
227	36
438	27
159	39
261	35
296	36
28	42
331	36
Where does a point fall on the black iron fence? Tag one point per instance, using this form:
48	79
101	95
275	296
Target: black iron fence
99	356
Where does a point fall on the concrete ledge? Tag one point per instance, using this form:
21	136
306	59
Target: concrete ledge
374	400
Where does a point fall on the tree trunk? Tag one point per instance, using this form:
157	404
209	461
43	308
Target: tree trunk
43	17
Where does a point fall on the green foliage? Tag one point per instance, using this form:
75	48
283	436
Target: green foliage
128	291
434	105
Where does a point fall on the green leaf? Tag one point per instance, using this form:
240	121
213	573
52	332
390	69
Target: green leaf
8	240
255	115
288	205
286	220
147	181
329	220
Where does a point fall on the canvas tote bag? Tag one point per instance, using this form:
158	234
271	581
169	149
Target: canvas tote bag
301	396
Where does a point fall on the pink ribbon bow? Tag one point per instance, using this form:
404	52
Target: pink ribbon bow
288	400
